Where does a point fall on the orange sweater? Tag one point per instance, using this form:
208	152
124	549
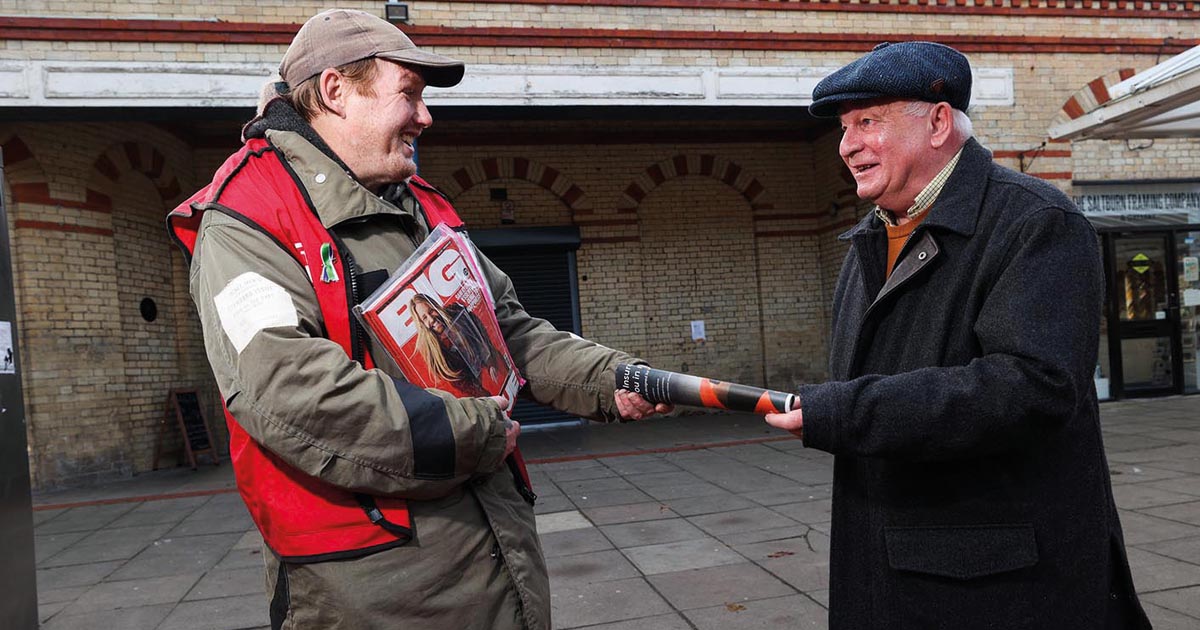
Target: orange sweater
897	237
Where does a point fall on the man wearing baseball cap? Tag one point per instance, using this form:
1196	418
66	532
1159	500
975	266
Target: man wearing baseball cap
970	484
381	504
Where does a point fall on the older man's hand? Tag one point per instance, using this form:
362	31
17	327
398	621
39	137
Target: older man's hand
792	421
632	406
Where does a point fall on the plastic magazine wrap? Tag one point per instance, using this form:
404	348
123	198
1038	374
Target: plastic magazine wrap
435	316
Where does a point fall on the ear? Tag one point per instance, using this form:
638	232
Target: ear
334	88
941	124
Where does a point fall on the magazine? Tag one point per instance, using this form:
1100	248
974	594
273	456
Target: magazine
435	317
673	388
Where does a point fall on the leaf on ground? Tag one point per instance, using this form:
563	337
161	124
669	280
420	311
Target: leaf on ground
734	607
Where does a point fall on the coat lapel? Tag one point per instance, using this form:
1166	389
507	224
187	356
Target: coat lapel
923	252
956	210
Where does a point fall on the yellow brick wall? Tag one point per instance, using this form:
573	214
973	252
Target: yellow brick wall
932	21
95	373
73	354
693	254
494	15
698	263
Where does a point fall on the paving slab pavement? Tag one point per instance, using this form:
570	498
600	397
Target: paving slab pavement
685	523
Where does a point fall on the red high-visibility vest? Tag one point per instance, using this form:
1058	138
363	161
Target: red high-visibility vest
301	518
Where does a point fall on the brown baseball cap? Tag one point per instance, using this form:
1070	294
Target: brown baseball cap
339	36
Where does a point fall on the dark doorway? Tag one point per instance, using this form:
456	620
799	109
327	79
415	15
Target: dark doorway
541	264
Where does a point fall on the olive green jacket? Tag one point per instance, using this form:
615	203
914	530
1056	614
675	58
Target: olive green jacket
299	395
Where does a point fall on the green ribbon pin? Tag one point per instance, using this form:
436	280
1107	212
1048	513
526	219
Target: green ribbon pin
328	271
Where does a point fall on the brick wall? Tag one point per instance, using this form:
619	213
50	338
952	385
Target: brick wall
88	240
670	235
699	260
766	16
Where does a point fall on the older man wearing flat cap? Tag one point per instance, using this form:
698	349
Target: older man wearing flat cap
381	504
970	484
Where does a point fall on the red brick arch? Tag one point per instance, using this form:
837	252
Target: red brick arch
25	176
1092	95
704	165
29	185
139	157
520	168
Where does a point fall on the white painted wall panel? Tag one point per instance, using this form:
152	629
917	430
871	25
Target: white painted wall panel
133	84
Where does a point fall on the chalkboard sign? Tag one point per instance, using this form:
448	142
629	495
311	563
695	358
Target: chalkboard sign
194	427
184	405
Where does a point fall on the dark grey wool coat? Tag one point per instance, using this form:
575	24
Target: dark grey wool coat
970	485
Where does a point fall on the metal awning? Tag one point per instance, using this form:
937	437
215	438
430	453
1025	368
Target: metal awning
1162	102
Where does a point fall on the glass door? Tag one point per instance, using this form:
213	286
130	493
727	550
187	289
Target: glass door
1187	255
1146	340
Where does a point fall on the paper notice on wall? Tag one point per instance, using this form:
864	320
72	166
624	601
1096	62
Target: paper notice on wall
1191	297
698	330
1191	269
8	363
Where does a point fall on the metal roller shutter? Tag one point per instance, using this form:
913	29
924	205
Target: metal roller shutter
541	265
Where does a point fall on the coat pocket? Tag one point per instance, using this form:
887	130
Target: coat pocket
961	553
961	577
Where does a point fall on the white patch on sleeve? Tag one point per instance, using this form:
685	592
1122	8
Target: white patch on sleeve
250	303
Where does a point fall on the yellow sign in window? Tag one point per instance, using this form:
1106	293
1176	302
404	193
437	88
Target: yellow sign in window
1140	263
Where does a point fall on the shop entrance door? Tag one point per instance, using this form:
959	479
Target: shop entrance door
1151	356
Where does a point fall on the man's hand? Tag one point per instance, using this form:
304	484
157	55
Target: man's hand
632	406
512	428
792	421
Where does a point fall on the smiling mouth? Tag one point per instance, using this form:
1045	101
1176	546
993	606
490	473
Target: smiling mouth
863	168
408	140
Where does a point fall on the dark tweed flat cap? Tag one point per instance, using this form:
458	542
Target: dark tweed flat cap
921	71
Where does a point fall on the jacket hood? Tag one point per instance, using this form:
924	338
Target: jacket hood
278	115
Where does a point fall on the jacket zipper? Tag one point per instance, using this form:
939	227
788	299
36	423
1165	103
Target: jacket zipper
357	350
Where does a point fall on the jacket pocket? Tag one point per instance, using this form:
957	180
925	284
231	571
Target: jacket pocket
954	578
962	553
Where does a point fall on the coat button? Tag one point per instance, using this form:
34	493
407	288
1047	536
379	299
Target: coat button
320	178
922	256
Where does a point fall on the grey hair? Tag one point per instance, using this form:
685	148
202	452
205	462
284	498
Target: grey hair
963	127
